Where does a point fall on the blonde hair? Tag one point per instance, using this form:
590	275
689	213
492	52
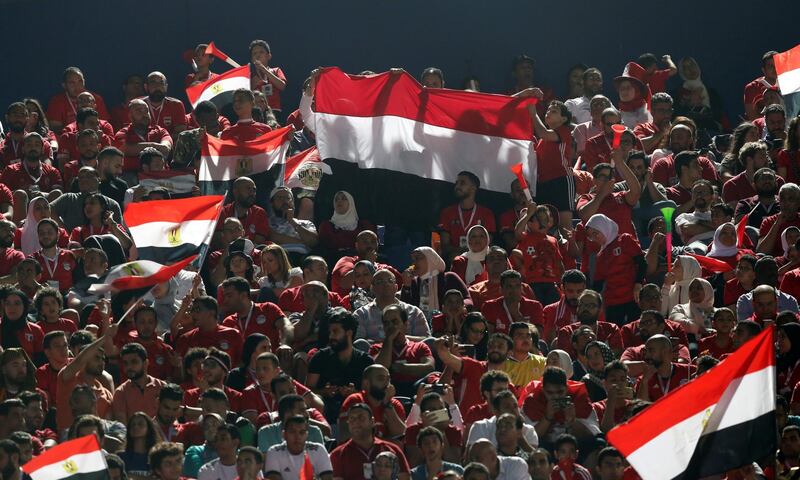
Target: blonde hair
283	262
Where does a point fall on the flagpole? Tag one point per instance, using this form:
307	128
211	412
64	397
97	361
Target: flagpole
135	304
206	247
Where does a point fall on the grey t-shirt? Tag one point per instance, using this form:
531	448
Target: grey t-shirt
69	206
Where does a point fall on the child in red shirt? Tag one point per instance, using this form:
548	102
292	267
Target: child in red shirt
539	254
720	343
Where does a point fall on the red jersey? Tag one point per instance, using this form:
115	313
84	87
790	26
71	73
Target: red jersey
740	188
170	114
657	80
254	222
754	92
606	332
663	170
631	336
467	388
644	130
63	324
9	259
482	292
535	404
636	354
120	115
619	412
348	460
617	268
224	338
57	271
791	162
456	221
261	319
378	412
679	194
47	380
18	177
291	300
63	109
244	130
658	387
191	398
105	128
30	337
410	352
556	316
555	158
508	220
497	314
6	196
255	398
616	207
708	346
158	356
598	150
541	258
128	136
68	144
62	242
82	232
273	94
767	224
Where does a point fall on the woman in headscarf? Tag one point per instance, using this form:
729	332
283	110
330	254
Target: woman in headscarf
695	100
555	358
696	314
361	291
620	269
676	283
26	238
339	233
634	96
244	375
470	265
724	245
385	466
425	282
790	258
16	330
787	339
598	354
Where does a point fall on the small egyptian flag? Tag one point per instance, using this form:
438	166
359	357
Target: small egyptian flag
305	170
212	49
219	89
787	65
79	459
138	274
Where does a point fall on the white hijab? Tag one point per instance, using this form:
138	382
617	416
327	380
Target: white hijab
428	282
475	259
679	291
700	313
564	361
718	249
697	83
604	225
349	219
785	242
29	238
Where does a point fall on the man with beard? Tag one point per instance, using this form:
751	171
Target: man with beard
87	119
775	126
492	382
140	392
252	217
295	235
11	146
652	133
598	148
661	375
754	157
456	220
204	119
490	289
693	222
58	264
163	362
86	100
366	249
334	371
590	304
9	257
633	335
249	317
370	316
170	401
62	107
522	70
592	85
564	312
469	388
69	206
772	227
109	165
652	323
87	146
166	112
512	306
681	139
9	461
377	392
30	174
764	203
245	128
34	413
138	135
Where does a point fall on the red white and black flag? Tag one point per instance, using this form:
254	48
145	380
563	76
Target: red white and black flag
397	147
78	459
138	274
721	421
305	170
219	89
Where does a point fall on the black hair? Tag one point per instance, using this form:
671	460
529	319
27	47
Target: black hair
259	43
683	159
147	154
286	403
237	283
491	377
133	348
471	176
344	318
216	394
608	452
573	276
256	453
522	58
563	110
509	274
279	379
249	347
647	60
655	313
85	113
170	391
554	376
432	71
205	107
564	439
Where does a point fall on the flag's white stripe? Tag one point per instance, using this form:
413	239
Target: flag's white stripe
668	454
176	184
86	463
225	168
789	82
226	84
157	234
408	146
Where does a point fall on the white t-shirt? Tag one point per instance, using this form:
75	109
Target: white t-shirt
279	460
488	427
215	470
512	468
579	108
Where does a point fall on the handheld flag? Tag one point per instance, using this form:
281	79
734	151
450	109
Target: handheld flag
787	66
307	471
304	170
212	49
138	274
219	89
741	230
523	183
720	421
618	129
80	458
667	209
711	264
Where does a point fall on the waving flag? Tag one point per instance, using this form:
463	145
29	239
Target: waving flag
397	147
169	230
305	170
220	88
175	181
222	161
787	66
138	274
212	49
80	458
712	264
722	420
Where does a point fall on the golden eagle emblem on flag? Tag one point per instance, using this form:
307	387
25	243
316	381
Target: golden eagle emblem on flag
216	88
174	235
133	269
70	467
244	166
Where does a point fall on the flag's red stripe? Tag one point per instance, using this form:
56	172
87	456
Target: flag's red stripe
695	396
741	230
402	96
212	49
176	211
195	91
130	283
268	142
308	155
713	264
787	61
61	452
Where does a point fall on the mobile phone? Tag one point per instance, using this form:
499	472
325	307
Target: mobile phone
562	403
438	388
468	348
438	416
626	393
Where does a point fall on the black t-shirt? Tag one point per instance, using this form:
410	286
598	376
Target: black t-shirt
332	371
114	188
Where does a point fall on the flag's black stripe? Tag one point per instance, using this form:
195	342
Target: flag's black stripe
265	182
168	256
732	447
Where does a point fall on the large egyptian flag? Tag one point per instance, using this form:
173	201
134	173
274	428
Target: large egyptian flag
220	88
398	147
722	420
166	231
138	274
222	161
787	66
78	459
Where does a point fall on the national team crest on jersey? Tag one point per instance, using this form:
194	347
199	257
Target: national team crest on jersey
617	251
